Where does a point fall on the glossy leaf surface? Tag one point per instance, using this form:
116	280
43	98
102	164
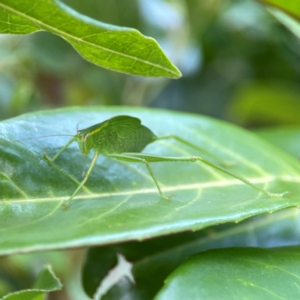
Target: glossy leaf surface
116	48
286	138
236	272
120	201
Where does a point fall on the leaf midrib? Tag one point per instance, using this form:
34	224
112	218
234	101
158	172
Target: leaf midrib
80	40
194	186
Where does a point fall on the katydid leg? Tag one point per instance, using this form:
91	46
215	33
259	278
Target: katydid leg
61	150
187	143
140	157
132	158
86	176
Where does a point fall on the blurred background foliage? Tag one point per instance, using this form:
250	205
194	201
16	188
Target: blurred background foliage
238	63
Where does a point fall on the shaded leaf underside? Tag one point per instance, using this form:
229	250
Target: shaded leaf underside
116	48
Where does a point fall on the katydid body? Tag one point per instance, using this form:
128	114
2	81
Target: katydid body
123	138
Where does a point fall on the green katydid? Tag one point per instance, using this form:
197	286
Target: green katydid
123	138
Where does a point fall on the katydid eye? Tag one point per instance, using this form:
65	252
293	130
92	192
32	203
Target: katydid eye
84	137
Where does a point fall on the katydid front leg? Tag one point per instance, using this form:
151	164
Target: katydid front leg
147	158
86	176
60	151
51	160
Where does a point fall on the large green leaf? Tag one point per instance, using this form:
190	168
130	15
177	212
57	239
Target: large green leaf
237	273
116	48
119	201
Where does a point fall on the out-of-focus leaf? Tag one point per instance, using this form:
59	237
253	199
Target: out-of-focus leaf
121	13
117	48
125	289
120	202
289	22
265	103
98	263
285	138
287	12
20	271
291	7
236	272
155	259
46	282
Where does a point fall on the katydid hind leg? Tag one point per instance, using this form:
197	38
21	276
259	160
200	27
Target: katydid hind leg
201	150
140	157
135	159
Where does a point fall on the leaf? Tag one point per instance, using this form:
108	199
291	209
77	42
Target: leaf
287	12
285	138
153	260
46	282
289	22
290	7
99	262
116	48
235	273
120	202
252	101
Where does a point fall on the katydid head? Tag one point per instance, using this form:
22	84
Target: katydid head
85	141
